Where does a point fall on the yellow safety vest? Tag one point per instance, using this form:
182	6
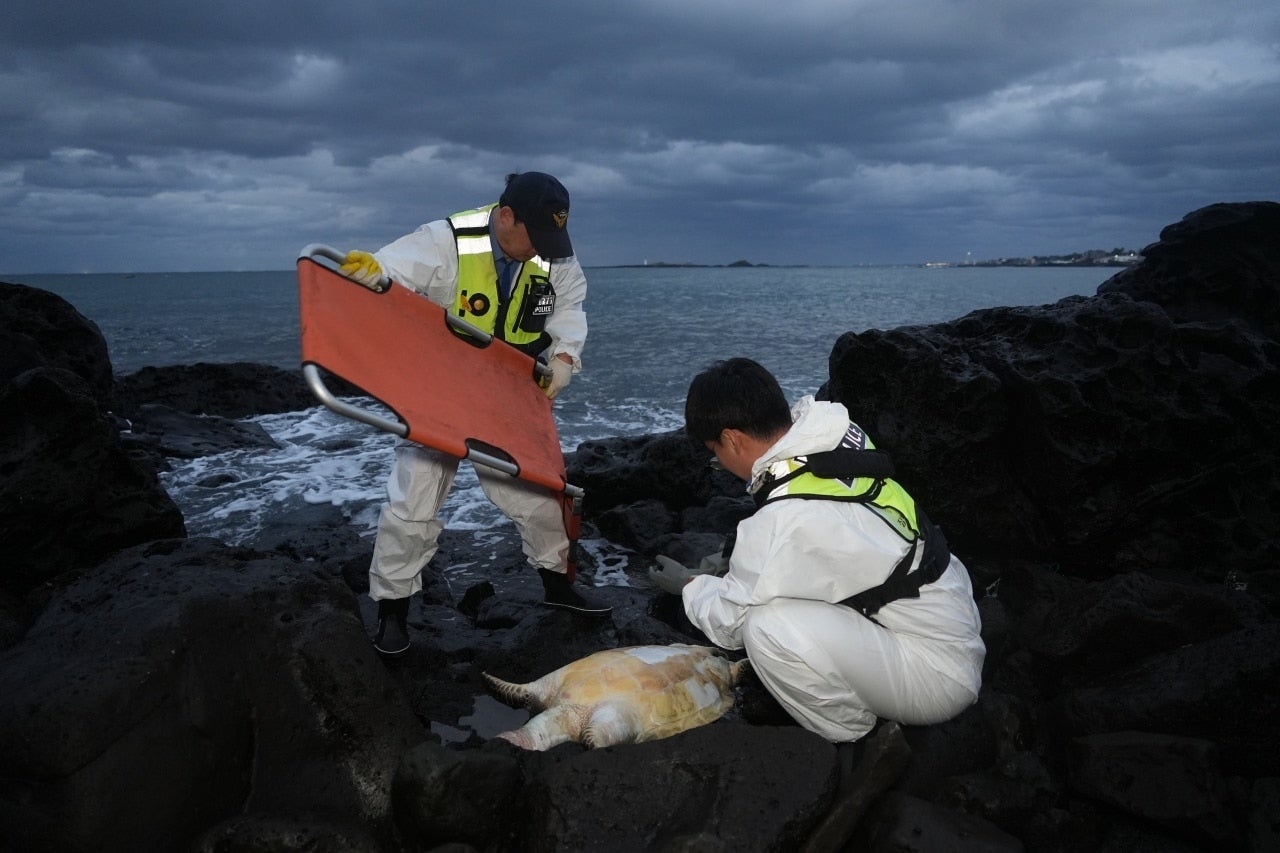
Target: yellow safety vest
856	472
521	318
796	478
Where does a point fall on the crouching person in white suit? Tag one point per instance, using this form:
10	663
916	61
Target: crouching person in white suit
842	592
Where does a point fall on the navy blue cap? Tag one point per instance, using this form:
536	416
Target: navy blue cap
542	204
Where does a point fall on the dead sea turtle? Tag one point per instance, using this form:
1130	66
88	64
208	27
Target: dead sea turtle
622	696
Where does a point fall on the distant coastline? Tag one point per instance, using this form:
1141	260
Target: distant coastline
1092	258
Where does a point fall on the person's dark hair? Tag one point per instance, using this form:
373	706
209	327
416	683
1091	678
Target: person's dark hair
735	394
502	199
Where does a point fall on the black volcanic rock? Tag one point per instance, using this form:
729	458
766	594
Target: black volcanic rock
668	467
69	492
1218	264
1106	434
160	433
234	390
225	390
41	329
194	682
190	410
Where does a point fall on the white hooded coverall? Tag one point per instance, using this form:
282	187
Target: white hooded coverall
408	527
833	669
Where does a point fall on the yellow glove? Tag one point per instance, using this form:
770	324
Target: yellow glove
362	267
561	373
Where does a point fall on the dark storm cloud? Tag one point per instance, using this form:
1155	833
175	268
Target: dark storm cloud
227	135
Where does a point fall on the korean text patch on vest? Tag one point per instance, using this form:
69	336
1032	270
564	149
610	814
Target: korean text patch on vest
541	304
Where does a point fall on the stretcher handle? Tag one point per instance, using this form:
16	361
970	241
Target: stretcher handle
541	370
332	259
320	253
315	381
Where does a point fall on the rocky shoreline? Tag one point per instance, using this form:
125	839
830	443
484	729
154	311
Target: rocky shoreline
1106	466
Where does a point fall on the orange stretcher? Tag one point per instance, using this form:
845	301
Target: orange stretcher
451	386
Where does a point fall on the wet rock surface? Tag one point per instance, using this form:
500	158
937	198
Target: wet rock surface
70	494
1104	466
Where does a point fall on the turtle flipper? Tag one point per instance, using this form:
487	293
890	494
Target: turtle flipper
514	695
552	727
609	724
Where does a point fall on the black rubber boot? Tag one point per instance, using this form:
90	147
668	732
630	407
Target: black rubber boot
560	593
392	638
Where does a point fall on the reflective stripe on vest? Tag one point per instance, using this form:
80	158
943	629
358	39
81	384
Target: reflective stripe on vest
517	320
882	495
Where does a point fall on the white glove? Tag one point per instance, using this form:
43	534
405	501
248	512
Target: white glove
672	576
561	373
362	267
669	575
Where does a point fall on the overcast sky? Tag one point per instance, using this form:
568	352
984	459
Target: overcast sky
201	135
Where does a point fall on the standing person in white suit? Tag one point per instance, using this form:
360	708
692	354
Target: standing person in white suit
507	268
845	597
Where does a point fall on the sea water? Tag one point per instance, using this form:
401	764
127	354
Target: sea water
651	330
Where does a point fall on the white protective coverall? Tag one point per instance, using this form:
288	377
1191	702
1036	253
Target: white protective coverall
833	669
408	528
